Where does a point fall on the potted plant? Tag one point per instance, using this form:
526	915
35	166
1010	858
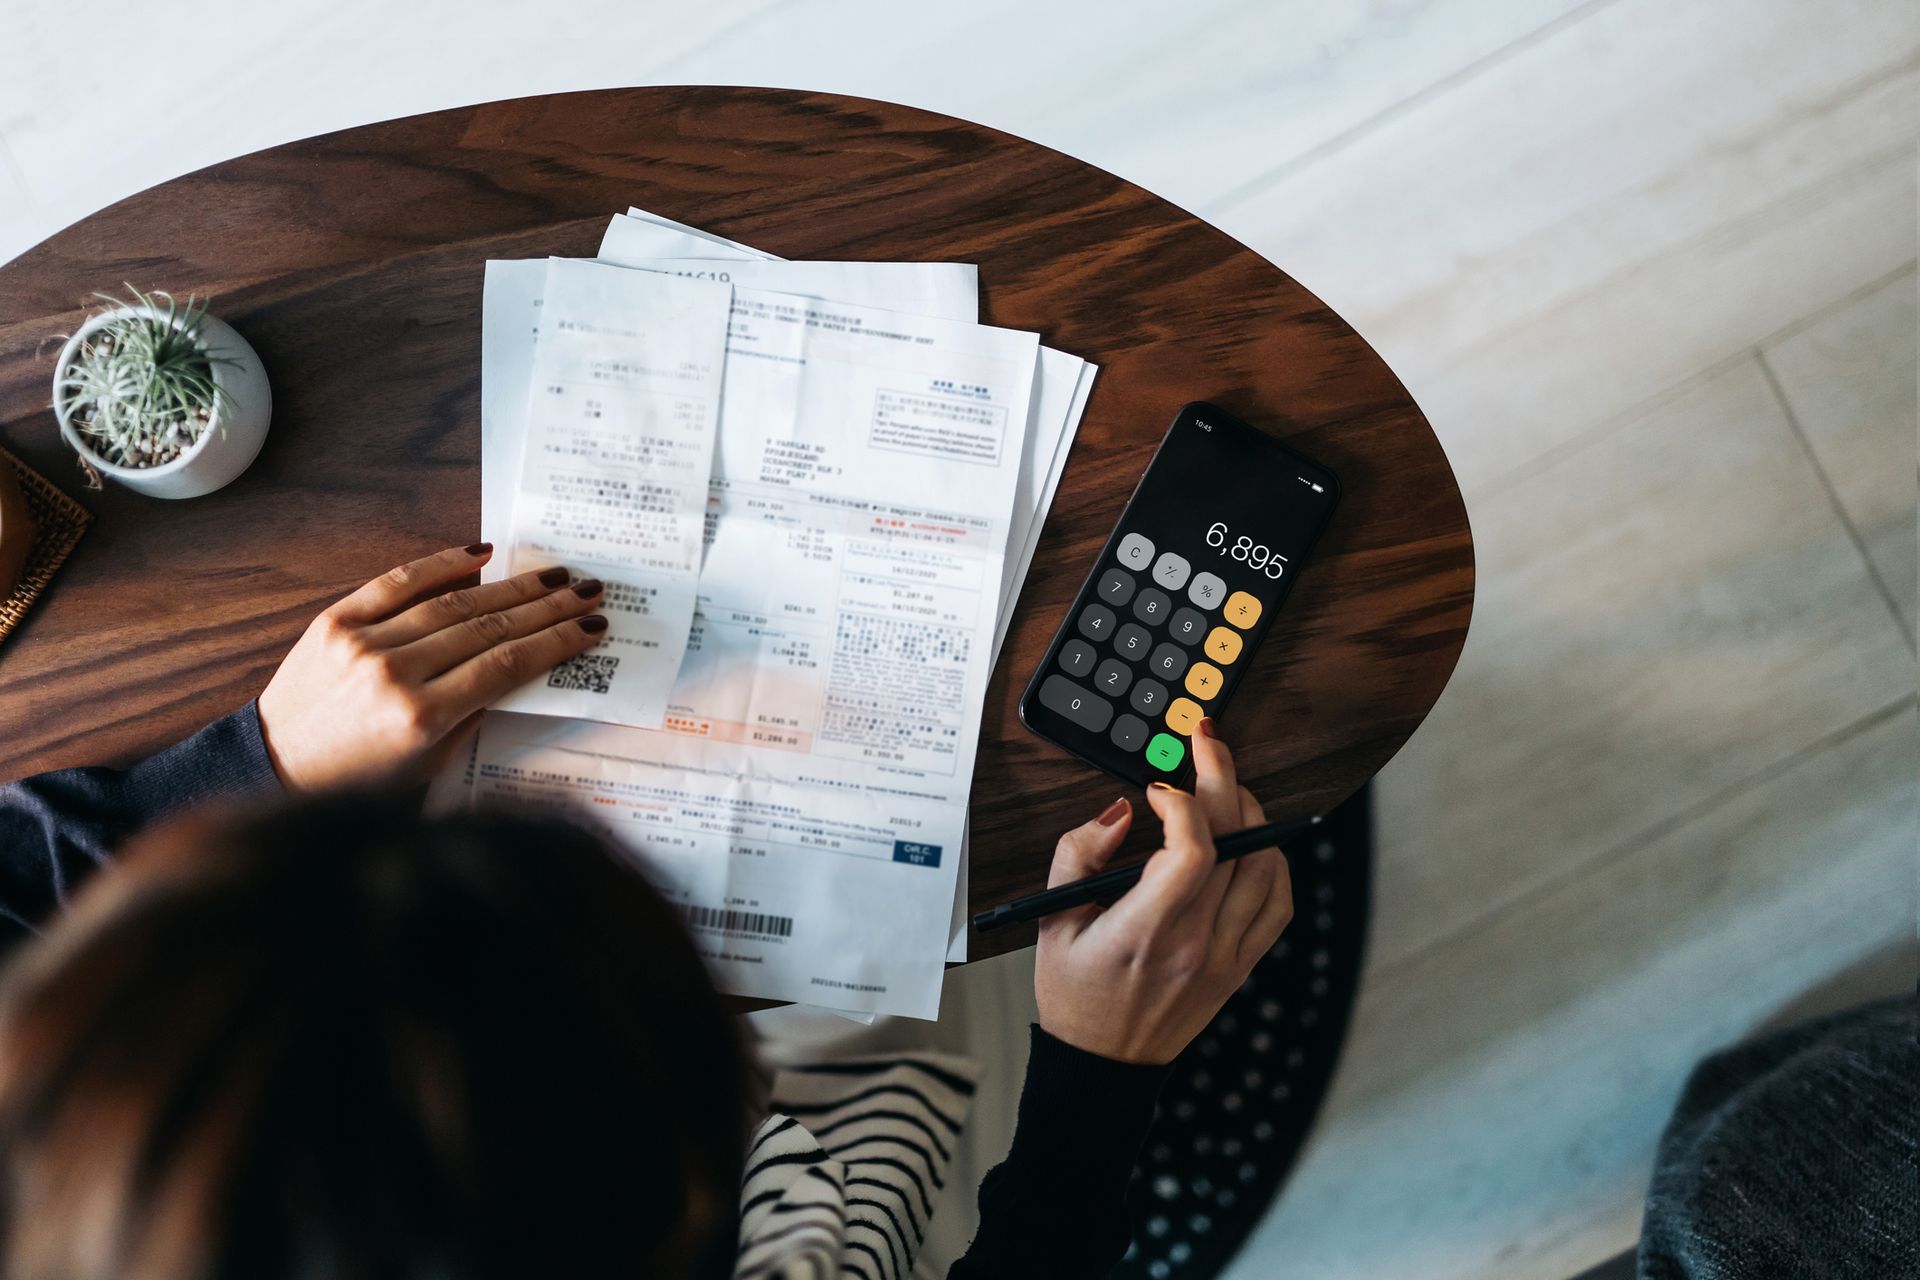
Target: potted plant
165	398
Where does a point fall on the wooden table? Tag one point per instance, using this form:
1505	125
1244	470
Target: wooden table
352	262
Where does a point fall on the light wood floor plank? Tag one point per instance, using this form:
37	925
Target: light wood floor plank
1659	614
1549	377
1498	1106
1850	381
1645	193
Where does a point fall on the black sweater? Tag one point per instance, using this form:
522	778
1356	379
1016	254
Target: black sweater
1054	1208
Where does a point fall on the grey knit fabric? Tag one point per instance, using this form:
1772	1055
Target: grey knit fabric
1794	1156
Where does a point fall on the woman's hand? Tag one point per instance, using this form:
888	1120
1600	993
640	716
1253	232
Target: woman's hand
387	683
1138	980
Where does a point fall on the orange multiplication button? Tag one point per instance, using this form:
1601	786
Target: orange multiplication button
1204	680
1223	645
1183	714
1243	610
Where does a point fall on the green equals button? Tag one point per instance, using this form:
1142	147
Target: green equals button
1166	752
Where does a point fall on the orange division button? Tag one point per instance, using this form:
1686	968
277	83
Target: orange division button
1223	645
1183	714
1204	680
1243	610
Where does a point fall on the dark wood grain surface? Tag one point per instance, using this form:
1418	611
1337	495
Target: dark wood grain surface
353	263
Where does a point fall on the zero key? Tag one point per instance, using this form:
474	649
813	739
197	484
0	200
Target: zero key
1080	705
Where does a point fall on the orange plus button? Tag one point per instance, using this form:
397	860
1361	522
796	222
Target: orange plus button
1243	610
1204	680
1223	645
1183	714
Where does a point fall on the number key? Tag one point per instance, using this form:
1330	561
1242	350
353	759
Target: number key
1168	661
1188	625
1148	696
1152	607
1113	677
1076	657
1096	622
1116	587
1062	696
1132	642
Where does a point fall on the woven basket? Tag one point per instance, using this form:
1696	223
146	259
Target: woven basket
60	521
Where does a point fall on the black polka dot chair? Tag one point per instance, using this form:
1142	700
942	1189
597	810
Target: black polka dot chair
1242	1098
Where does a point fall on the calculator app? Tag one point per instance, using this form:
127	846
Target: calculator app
1165	628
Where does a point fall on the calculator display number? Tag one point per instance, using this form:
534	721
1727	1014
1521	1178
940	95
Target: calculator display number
1244	549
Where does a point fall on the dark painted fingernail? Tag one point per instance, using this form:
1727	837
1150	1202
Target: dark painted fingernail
593	625
1205	728
554	577
587	588
479	548
1114	812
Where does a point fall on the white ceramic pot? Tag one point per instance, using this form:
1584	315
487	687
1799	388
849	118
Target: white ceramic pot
233	437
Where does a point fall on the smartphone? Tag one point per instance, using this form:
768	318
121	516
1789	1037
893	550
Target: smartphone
1166	626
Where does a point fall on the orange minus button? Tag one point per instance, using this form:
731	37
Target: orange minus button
1183	714
1243	610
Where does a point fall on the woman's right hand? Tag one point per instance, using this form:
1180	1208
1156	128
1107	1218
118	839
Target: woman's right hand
1136	981
389	682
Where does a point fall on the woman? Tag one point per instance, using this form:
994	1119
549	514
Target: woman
337	1039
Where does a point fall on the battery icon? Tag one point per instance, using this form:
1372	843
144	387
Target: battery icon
1317	488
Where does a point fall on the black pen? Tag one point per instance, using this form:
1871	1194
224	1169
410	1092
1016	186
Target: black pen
1107	885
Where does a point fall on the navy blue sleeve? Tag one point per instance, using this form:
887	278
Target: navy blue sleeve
56	829
1056	1206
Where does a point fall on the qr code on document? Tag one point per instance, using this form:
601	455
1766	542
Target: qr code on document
589	673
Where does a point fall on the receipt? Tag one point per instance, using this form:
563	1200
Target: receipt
747	793
614	470
511	310
822	729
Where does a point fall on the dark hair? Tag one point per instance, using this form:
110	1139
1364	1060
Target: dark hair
343	1041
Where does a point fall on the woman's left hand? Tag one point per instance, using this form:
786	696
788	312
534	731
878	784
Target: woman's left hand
386	684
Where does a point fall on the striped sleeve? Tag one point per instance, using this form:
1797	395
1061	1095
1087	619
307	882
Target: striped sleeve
793	1214
888	1126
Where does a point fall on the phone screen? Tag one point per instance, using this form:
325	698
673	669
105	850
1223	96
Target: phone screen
1165	627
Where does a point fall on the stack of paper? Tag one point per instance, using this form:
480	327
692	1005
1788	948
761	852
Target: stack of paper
813	489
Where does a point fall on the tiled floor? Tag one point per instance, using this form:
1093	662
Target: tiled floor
1650	270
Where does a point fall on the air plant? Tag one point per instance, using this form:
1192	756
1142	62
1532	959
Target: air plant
140	388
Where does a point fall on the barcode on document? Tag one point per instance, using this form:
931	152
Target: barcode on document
738	921
587	672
